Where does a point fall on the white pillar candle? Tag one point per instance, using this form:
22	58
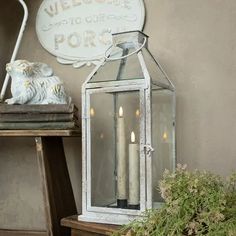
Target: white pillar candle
166	148
92	112
133	172
121	158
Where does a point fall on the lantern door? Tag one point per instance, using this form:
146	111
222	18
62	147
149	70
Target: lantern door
160	127
115	158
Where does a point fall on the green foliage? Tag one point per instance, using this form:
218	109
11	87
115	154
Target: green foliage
196	203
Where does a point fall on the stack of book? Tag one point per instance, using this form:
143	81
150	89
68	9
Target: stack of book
23	117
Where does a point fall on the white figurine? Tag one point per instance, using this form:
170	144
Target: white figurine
34	83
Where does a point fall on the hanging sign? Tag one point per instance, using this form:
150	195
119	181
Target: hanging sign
79	31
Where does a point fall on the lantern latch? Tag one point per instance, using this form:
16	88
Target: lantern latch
149	149
85	117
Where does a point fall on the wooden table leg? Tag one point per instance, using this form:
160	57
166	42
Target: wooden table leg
57	191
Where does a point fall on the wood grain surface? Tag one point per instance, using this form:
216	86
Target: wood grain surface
86	228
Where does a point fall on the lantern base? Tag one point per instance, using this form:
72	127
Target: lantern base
112	214
106	218
134	207
122	203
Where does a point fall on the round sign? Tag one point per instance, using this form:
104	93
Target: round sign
80	30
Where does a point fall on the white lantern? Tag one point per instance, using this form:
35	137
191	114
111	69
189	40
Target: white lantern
128	132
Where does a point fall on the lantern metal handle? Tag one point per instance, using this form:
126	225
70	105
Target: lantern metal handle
20	35
107	58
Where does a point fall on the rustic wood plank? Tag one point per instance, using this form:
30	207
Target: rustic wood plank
22	233
56	186
56	108
43	133
38	125
98	229
77	232
37	117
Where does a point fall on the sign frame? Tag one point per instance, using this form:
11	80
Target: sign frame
59	41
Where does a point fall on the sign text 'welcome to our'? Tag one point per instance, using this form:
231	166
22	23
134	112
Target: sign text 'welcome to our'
81	29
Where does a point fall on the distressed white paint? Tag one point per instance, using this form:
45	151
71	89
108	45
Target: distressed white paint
114	215
78	32
35	83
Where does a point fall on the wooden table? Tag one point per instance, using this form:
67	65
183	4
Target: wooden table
80	228
57	191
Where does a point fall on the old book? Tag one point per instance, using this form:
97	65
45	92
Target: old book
49	108
37	117
41	125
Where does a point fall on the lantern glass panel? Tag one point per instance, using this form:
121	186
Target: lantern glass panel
127	69
162	137
129	111
158	77
113	117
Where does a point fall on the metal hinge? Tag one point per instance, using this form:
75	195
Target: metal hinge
149	149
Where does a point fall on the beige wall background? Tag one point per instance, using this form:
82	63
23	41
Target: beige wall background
194	40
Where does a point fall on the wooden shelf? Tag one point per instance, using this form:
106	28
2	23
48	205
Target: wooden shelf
42	133
47	125
87	228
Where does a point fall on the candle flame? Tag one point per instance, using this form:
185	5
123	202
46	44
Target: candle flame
165	136
121	112
137	113
92	112
132	137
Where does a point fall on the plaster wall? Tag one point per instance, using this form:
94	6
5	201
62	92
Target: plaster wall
195	41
